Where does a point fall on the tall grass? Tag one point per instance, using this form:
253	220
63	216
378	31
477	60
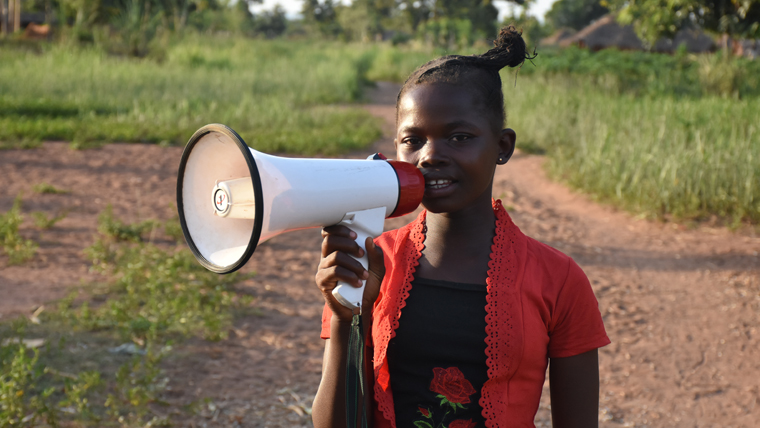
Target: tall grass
279	96
652	74
687	158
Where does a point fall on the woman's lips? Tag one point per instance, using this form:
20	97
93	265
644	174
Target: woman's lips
437	184
439	188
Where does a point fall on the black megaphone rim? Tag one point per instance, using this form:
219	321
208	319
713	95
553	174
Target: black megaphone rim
257	192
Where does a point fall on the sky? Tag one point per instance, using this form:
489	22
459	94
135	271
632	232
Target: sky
538	8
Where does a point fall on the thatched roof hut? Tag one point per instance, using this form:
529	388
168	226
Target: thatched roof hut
695	41
557	37
605	33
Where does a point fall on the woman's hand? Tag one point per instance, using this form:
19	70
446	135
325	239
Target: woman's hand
337	264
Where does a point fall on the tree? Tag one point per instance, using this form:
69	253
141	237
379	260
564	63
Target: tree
415	12
271	23
321	16
653	19
575	14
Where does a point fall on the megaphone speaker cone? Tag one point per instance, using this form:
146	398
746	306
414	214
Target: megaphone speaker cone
216	168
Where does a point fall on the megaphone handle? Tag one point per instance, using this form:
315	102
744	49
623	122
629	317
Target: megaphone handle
366	223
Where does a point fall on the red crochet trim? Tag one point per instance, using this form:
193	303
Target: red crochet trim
501	299
412	251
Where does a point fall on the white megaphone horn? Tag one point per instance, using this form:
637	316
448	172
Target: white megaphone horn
231	198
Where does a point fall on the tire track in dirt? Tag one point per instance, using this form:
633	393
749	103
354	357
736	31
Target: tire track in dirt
682	307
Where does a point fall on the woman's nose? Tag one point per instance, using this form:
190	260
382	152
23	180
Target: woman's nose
434	153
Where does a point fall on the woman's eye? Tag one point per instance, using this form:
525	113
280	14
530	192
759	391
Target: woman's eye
411	141
458	138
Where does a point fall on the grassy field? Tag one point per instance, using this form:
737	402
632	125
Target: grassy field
662	136
280	96
665	157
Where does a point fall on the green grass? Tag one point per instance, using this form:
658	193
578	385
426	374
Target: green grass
97	361
47	188
643	73
18	249
665	157
395	64
280	96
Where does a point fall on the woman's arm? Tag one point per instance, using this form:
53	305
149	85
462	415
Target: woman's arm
329	408
574	383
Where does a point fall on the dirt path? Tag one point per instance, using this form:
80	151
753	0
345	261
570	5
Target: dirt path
682	307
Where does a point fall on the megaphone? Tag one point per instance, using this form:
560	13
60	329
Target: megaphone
232	198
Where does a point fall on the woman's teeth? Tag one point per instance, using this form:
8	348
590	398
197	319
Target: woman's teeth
437	184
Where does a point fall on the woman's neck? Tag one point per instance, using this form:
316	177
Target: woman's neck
458	245
465	225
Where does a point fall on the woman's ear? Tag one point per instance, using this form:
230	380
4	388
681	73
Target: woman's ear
506	145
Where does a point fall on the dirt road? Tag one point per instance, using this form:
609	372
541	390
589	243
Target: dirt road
682	306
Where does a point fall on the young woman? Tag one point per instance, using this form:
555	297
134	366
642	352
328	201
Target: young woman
465	311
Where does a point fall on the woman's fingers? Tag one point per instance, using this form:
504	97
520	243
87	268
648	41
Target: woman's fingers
338	230
342	267
339	247
341	240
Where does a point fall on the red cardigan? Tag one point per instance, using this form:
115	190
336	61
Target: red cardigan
534	291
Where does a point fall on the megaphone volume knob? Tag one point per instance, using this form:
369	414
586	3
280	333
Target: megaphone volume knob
221	201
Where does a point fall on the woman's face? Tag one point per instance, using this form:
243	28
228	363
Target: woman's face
446	134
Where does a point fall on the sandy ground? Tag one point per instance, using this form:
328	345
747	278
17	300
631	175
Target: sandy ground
682	306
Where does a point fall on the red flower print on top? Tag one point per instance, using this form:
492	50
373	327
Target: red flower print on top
425	412
452	384
461	423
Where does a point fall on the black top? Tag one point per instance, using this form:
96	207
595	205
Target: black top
437	359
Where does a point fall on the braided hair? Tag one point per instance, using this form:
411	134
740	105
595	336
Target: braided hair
478	71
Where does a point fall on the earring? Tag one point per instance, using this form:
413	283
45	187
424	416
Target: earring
501	160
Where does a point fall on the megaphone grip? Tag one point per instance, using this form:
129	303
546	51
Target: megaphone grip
366	223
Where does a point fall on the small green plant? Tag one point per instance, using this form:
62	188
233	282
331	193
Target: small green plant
22	403
78	391
110	226
157	293
139	383
18	249
42	221
45	188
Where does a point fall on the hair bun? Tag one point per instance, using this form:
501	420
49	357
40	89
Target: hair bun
509	49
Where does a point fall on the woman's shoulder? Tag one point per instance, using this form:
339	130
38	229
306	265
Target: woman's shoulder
550	263
544	252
